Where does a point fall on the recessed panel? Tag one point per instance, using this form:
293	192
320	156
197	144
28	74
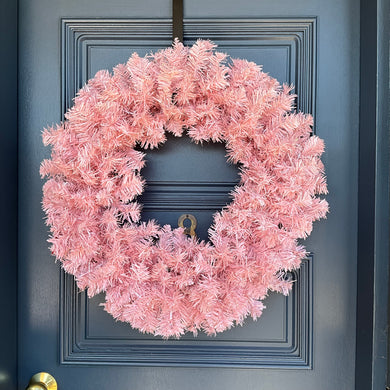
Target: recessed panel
276	60
270	328
109	55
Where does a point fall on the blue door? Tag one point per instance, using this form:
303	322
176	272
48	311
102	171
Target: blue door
303	341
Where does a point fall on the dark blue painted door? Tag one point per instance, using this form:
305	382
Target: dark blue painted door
305	341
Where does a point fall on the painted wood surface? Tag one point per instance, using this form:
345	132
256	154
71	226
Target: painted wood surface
300	340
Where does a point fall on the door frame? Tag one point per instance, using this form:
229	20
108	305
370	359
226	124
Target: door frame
372	363
373	199
9	193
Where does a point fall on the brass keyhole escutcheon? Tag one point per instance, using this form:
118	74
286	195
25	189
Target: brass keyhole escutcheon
188	230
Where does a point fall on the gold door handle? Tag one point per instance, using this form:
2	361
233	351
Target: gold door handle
42	381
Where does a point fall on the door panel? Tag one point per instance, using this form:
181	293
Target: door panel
186	178
313	329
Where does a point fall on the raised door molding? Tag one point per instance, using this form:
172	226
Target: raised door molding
292	348
298	36
83	342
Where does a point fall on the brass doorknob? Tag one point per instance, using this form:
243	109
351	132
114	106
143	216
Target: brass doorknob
42	381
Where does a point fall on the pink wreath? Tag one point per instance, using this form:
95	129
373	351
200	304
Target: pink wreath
155	277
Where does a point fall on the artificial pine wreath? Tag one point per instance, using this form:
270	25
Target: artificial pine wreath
155	277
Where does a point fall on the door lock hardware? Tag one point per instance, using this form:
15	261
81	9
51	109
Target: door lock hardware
42	381
188	230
